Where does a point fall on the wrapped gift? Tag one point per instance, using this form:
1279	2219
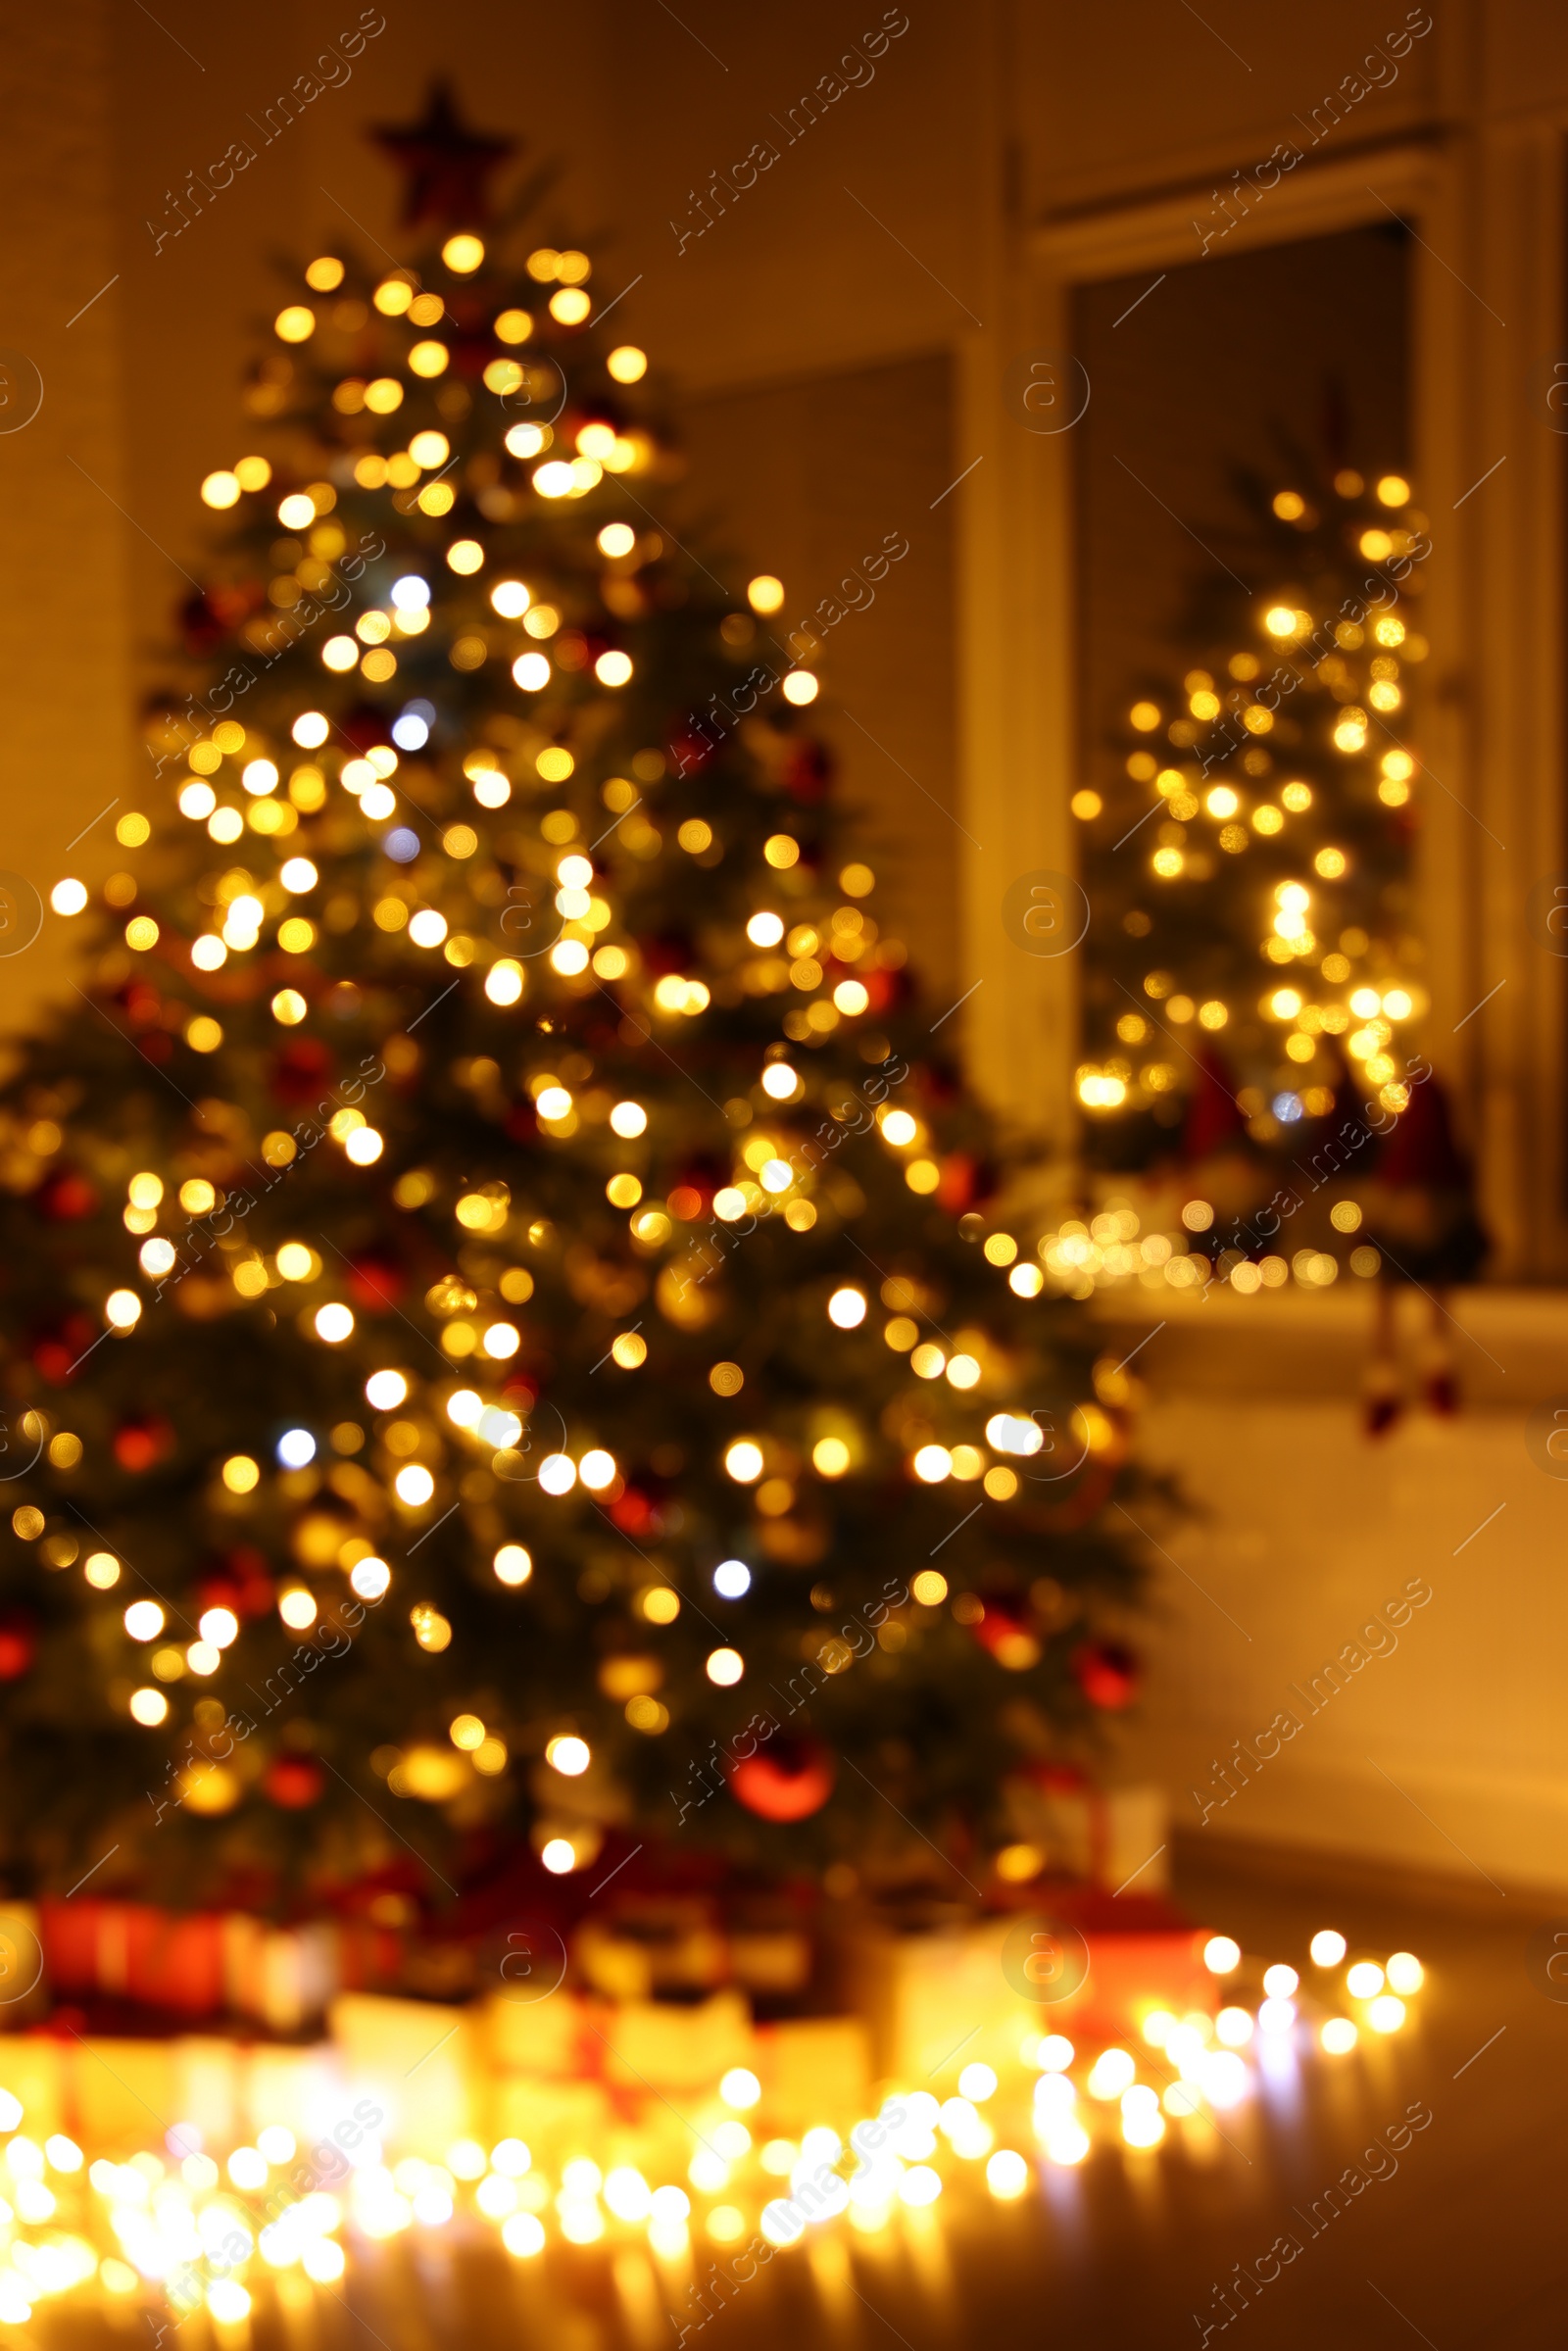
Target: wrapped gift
814	2070
1106	1960
70	1936
37	2070
208	2087
545	2067
677	1946
165	1959
176	1962
1130	1974
1105	1836
204	1963
283	1976
572	2117
24	1977
119	2094
370	1956
676	2048
647	1946
419	2062
242	1941
539	2039
772	1962
303	2088
621	1966
300	1976
934	1998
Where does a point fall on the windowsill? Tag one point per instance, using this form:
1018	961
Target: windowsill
1509	1345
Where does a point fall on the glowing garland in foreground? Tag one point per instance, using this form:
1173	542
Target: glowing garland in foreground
168	2223
1105	1253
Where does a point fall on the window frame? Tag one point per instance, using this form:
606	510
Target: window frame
1487	213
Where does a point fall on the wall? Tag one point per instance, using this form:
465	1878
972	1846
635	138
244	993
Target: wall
1177	99
64	608
1447	1751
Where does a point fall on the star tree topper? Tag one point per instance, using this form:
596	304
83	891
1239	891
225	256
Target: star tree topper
447	165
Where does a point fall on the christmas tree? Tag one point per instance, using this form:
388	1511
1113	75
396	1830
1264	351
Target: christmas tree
1252	976
500	1338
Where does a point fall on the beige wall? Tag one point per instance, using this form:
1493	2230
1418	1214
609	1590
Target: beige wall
1448	1752
64	667
1159	97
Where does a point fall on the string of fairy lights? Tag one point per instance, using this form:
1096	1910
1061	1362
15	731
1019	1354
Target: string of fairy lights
178	2227
295	803
199	2226
247	784
235	786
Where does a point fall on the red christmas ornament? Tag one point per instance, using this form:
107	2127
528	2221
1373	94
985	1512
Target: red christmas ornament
880	986
214	614
300	1069
18	1643
960	1185
1004	1629
788	1779
666	951
1107	1673
635	1512
56	1353
140	1445
244	1583
143	1004
807	769
689	752
375	1282
363	725
294	1782
706	1174
66	1198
